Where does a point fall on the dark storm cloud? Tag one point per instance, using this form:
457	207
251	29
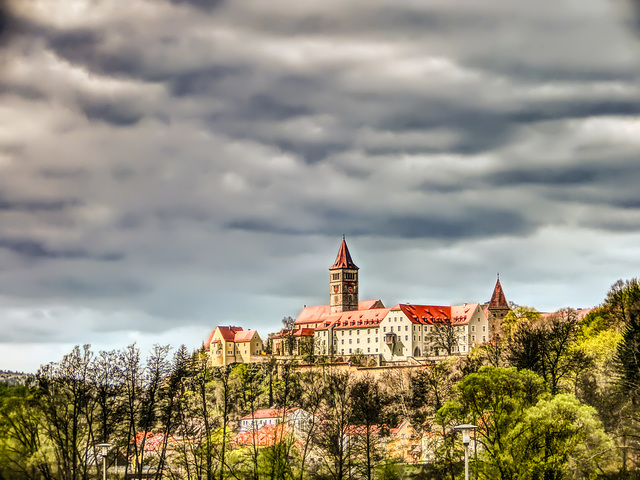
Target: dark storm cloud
37	250
204	81
86	287
38	205
206	5
118	114
473	223
575	109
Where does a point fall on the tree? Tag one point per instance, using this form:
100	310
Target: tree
288	337
559	438
547	346
368	400
65	403
446	335
496	399
21	436
337	416
524	432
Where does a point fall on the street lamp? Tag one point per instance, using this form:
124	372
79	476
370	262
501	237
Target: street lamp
466	439
104	450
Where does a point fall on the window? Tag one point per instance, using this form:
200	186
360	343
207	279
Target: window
350	332
349	350
349	276
335	276
358	340
484	339
473	328
349	341
406	328
368	339
230	352
376	342
384	329
376	350
368	349
406	337
484	328
414	338
343	341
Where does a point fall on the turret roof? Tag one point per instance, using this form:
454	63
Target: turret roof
343	260
498	299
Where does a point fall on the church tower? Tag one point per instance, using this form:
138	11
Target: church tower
497	309
343	282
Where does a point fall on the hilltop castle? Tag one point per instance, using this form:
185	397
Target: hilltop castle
347	326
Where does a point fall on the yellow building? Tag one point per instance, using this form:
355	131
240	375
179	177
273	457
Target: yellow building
227	345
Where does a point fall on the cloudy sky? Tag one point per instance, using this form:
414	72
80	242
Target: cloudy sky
168	166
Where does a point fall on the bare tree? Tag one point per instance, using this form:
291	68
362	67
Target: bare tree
446	335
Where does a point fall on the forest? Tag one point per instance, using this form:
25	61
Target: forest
555	397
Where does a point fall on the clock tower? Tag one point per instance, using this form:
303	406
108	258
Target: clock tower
343	282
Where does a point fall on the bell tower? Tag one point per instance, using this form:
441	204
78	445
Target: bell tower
343	281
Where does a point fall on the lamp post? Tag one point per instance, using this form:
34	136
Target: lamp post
466	439
104	450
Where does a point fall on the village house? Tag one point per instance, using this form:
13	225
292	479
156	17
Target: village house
227	345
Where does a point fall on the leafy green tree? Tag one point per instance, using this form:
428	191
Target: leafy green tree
495	399
21	436
559	438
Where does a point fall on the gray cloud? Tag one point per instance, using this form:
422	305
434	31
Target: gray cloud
195	162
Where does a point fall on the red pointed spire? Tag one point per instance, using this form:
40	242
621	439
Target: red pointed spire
343	260
498	299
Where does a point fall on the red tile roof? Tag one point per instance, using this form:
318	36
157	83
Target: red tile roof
354	319
319	313
266	436
229	333
244	336
343	260
432	314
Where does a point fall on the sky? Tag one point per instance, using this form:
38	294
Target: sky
167	166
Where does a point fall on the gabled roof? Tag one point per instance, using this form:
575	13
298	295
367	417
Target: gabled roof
498	299
343	260
319	313
244	336
229	333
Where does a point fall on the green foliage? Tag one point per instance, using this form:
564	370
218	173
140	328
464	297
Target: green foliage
524	432
559	438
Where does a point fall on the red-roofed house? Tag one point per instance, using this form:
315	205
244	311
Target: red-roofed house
228	345
297	341
417	330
